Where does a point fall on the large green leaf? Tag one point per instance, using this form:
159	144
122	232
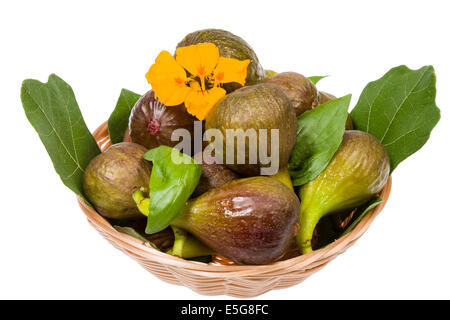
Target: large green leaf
171	184
118	120
319	134
399	109
53	111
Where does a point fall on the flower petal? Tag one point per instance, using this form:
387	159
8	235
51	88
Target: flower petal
199	103
231	70
168	80
199	59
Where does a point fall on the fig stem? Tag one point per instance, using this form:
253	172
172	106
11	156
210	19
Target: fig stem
308	222
180	240
186	246
141	201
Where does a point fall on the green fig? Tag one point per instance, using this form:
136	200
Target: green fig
249	109
111	178
250	221
283	176
359	169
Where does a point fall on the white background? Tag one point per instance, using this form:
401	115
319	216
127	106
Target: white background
47	248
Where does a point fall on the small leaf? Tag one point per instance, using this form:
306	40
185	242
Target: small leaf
399	109
131	232
372	204
53	111
315	79
118	121
171	184
319	134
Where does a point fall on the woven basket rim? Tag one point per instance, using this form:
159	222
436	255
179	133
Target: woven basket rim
302	262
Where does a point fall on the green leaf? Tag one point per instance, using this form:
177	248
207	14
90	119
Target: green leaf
53	111
315	79
399	109
118	121
319	134
372	204
174	177
131	232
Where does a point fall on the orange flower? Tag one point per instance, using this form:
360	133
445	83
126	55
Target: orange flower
195	77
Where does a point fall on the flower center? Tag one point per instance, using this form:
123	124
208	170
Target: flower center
178	81
201	83
201	71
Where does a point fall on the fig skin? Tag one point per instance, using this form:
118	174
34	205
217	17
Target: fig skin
152	123
261	106
111	178
250	220
359	169
213	174
230	46
325	97
299	89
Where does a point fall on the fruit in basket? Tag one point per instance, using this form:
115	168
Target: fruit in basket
230	46
247	110
250	220
112	176
325	97
152	123
299	89
283	176
213	174
359	169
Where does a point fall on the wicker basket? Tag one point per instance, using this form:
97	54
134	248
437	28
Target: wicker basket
213	279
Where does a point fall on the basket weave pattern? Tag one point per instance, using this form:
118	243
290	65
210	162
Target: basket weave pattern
213	279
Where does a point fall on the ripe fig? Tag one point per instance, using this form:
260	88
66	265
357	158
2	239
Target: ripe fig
152	123
325	97
250	221
112	176
299	89
359	169
240	115
213	174
230	46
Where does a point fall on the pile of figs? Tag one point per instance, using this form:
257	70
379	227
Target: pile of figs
234	211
